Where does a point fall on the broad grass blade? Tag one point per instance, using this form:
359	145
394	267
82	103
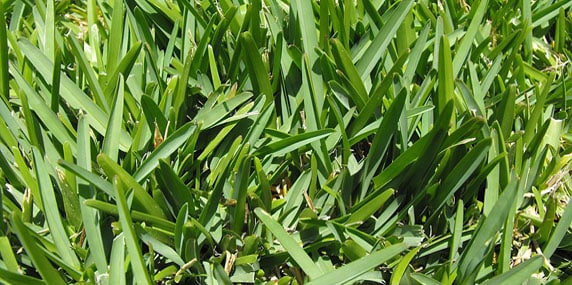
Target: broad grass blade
290	245
140	271
356	268
519	274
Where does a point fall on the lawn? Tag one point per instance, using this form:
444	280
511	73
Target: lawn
285	142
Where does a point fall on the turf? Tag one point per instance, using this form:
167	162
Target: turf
285	142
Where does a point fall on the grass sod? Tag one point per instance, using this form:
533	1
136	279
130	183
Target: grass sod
285	142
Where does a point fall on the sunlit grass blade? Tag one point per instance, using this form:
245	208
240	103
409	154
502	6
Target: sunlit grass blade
113	131
96	88
53	217
140	271
90	217
124	67
469	37
536	116
546	14
4	76
374	52
400	269
41	109
166	148
207	117
117	261
446	87
292	143
141	199
519	273
8	256
290	245
115	36
344	62
255	67
307	25
135	215
354	269
301	141
69	91
37	256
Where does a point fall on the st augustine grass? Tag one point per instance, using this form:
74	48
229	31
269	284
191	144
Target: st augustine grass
285	142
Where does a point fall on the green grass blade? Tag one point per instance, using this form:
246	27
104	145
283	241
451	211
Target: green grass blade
536	117
519	274
377	48
446	87
356	268
140	271
141	199
260	123
210	208
307	24
55	90
424	279
91	220
174	188
89	177
415	56
165	149
70	92
115	36
559	232
292	143
207	117
49	31
402	162
53	216
135	215
113	131
123	68
461	172
4	76
290	245
117	261
200	50
257	71
42	264
376	97
381	141
8	256
44	113
240	193
546	14
361	212
84	64
159	246
467	42
457	233
402	266
474	253
344	62
15	278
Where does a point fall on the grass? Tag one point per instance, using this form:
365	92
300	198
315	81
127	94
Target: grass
285	142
